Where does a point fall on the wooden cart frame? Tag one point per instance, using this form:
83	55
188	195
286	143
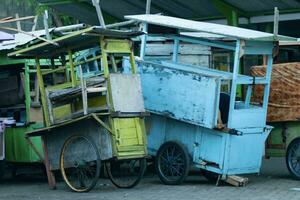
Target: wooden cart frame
109	109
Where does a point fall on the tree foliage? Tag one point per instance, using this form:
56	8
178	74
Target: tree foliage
58	19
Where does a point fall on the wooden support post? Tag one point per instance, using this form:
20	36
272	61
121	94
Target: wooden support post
83	92
27	92
104	58
234	82
36	90
50	108
268	79
34	23
132	62
175	50
96	4
276	22
144	41
43	92
50	175
72	69
248	96
46	25
113	63
148	6
18	22
145	29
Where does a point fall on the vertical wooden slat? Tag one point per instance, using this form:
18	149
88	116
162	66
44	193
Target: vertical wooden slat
234	80
27	92
50	175
104	57
132	62
72	69
113	63
43	92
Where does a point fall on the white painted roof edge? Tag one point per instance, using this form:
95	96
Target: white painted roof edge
205	27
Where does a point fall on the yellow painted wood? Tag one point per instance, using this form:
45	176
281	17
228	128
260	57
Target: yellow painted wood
117	46
130	137
104	58
93	102
62	111
43	92
59	86
132	62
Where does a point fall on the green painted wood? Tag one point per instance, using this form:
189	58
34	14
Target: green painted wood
27	93
280	137
16	147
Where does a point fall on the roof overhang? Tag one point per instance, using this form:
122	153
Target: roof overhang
75	41
184	25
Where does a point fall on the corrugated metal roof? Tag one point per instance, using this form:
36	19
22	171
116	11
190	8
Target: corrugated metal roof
190	9
20	39
190	25
74	41
5	36
264	5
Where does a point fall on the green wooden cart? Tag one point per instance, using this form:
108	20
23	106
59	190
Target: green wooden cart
20	101
90	120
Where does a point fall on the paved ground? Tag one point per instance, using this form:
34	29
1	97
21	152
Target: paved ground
273	183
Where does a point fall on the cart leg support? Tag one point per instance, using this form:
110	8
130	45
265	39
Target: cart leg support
50	175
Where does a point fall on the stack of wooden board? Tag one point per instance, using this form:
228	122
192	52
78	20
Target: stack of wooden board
284	104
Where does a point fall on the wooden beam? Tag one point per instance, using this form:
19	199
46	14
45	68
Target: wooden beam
10	19
43	92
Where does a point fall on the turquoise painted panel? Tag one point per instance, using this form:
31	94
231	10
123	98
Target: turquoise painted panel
248	118
245	152
180	94
210	149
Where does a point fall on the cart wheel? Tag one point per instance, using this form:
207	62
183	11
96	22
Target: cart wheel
172	163
210	176
293	158
80	163
125	173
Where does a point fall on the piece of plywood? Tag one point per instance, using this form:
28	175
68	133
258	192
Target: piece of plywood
126	93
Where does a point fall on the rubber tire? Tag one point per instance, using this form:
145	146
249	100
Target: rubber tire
291	171
139	177
98	164
186	162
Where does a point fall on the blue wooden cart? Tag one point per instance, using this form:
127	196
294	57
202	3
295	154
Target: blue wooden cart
192	121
